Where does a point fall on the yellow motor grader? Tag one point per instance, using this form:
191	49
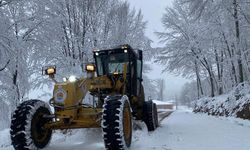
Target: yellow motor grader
115	82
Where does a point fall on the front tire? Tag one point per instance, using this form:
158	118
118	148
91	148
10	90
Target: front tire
26	130
117	123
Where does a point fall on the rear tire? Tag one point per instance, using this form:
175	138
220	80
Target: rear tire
26	130
150	115
156	115
117	123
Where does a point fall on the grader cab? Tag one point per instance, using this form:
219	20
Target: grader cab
115	82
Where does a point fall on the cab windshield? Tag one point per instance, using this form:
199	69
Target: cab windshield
116	68
112	63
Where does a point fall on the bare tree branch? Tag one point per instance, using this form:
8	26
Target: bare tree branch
5	2
5	66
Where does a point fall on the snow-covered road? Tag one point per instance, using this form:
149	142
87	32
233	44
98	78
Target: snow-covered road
185	130
182	130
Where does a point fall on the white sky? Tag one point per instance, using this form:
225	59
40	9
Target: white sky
152	11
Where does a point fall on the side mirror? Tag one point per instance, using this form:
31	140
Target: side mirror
49	70
149	98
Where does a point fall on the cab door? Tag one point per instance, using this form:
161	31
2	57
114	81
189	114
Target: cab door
139	76
139	72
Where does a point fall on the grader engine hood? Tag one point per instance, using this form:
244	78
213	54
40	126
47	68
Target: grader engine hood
64	92
60	95
72	93
100	83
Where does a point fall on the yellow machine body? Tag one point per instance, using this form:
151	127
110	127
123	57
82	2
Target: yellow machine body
108	97
68	102
71	109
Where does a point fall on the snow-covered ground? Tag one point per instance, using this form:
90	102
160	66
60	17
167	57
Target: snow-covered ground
234	103
182	130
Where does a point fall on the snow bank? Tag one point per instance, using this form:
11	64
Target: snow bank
5	142
236	103
5	114
157	102
163	106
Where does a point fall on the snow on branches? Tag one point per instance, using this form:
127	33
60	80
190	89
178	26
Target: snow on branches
207	41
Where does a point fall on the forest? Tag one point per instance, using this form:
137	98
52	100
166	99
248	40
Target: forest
203	41
36	33
207	41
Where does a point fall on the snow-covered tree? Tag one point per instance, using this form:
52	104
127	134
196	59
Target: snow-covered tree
37	33
207	40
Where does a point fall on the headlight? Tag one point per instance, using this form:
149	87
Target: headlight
50	70
90	67
72	78
64	79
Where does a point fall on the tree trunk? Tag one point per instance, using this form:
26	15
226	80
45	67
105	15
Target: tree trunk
211	77
230	54
219	71
238	49
198	80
